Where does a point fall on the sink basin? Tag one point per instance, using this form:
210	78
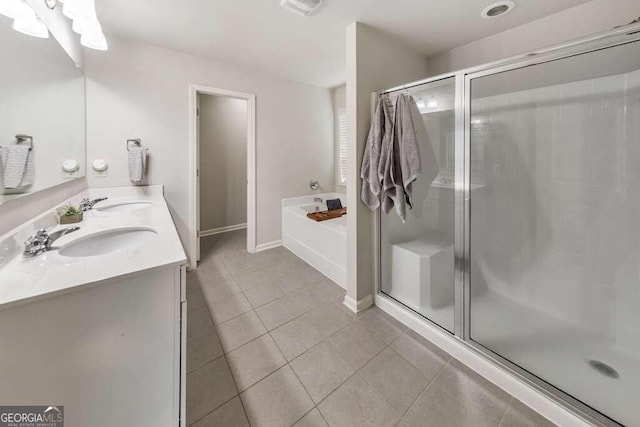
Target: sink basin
124	206
107	242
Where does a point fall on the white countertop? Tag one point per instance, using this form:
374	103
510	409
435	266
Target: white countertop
24	279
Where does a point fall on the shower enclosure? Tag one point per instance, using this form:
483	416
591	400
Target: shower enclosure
526	244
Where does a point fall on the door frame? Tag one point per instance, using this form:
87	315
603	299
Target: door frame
194	202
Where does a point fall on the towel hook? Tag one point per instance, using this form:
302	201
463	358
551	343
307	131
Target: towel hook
134	141
20	138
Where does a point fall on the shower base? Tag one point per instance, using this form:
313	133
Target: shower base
561	354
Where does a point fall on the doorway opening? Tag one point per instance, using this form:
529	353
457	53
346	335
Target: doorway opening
222	142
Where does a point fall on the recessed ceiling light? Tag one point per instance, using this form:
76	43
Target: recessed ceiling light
498	9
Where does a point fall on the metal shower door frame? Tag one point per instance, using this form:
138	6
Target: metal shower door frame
462	228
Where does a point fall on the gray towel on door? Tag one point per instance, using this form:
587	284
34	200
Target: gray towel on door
403	165
17	166
372	168
410	163
393	193
137	164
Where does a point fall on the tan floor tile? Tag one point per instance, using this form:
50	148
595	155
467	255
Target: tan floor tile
279	312
395	379
254	361
203	348
356	344
208	388
355	403
321	370
240	330
228	308
231	414
277	400
312	419
296	337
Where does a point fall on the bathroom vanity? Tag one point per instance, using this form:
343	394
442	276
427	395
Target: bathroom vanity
97	324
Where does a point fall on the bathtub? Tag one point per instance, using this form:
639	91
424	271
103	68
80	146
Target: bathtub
321	244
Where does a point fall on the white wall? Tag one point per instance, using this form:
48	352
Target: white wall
374	62
580	21
223	161
140	91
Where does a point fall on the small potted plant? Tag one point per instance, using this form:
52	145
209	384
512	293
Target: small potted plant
68	214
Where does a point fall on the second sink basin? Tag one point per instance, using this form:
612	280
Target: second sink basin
107	242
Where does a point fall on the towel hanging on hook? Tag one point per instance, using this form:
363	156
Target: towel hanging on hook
137	161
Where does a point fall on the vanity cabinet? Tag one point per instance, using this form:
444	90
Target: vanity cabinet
112	352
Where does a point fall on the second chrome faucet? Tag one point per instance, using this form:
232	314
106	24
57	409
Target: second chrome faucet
87	204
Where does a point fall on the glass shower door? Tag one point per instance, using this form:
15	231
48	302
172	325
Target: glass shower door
554	267
417	257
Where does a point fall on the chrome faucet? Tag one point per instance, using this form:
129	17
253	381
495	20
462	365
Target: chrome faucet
87	204
42	240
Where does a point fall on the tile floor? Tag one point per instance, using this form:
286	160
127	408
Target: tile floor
270	344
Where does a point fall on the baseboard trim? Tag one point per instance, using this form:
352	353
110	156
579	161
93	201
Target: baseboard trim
269	245
358	306
205	233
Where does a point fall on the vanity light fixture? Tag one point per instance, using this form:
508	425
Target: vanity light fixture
85	21
301	7
9	8
24	18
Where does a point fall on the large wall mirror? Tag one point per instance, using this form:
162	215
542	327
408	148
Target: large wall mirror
42	114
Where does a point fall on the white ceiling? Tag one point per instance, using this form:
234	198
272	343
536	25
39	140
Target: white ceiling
261	34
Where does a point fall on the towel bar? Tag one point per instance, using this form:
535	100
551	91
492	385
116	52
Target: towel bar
20	138
134	141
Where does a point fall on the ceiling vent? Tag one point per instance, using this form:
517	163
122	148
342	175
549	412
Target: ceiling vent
301	7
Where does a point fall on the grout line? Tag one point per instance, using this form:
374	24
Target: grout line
384	399
213	410
235	382
335	389
504	414
429	385
226	401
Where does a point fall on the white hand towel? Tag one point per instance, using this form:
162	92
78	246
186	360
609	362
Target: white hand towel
15	165
137	164
30	171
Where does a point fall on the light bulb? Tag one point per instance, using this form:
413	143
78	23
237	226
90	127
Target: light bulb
33	27
27	22
79	9
9	8
23	11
